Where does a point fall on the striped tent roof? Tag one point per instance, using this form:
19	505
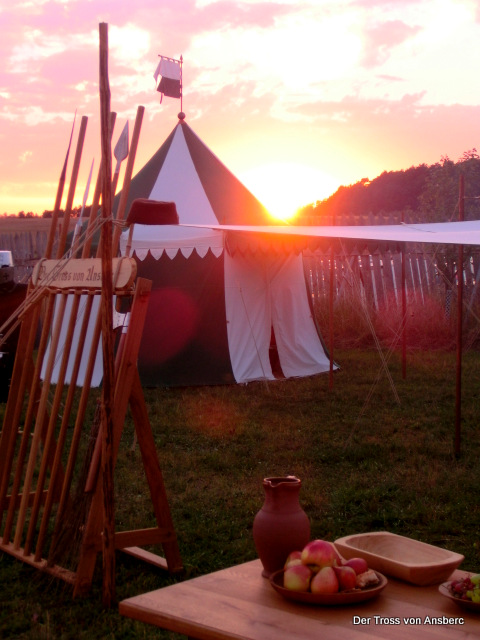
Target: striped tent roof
186	172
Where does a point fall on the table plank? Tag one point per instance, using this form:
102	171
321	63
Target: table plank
238	603
211	616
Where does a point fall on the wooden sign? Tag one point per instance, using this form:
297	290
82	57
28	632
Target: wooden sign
85	273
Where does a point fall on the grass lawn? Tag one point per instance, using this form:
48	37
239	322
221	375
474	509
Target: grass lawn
366	463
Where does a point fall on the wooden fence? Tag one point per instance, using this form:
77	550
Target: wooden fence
377	274
27	248
375	270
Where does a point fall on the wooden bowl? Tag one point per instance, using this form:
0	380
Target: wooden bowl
341	598
465	604
401	557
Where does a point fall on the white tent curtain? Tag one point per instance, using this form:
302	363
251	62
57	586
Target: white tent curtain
263	293
248	311
298	345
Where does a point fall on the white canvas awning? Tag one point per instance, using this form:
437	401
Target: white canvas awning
465	233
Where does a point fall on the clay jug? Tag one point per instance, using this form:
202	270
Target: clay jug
281	525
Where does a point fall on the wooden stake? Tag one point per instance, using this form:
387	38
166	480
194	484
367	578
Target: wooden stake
96	200
56	467
49	439
32	406
81	411
21	379
58	199
39	407
108	542
71	190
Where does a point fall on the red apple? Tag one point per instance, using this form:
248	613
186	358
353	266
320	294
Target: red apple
320	553
325	581
359	565
347	578
297	577
295	557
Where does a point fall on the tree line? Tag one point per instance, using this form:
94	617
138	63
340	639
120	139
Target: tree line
425	193
76	211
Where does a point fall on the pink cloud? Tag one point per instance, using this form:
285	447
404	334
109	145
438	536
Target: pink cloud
388	78
234	14
395	134
381	39
386	4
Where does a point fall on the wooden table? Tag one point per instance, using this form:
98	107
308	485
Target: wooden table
239	603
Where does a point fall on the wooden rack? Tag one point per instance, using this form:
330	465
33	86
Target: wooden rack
60	439
41	516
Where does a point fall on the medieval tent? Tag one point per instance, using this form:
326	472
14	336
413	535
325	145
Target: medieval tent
217	306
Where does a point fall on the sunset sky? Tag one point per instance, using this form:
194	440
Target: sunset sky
295	97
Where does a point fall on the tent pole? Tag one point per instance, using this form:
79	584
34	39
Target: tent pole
330	313
181	84
404	312
458	392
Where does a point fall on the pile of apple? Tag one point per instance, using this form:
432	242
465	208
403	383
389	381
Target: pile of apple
320	569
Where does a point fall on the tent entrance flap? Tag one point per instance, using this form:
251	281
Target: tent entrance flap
264	293
299	346
274	357
248	318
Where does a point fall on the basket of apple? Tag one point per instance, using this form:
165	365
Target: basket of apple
318	574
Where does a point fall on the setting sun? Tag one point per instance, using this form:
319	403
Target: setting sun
285	187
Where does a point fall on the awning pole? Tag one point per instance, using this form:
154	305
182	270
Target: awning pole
330	313
458	393
404	312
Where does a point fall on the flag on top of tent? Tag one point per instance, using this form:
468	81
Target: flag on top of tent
170	84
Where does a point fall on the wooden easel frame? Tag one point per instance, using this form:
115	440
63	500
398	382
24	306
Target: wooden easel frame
35	486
